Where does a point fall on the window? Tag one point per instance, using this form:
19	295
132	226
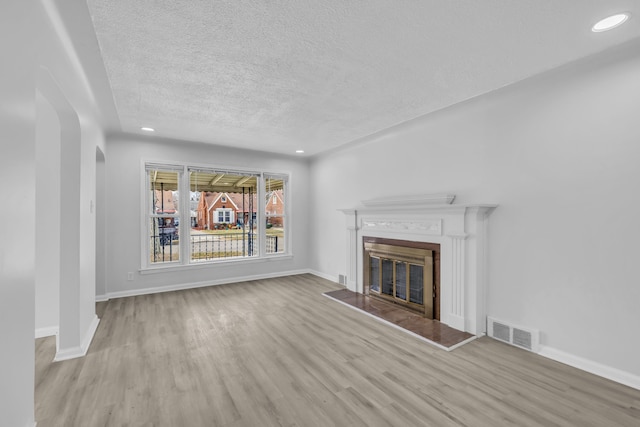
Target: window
162	215
275	190
228	200
222	217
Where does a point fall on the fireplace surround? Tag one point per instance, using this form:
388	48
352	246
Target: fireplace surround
461	232
403	272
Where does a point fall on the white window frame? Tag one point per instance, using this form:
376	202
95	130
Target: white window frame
149	214
225	212
285	214
184	219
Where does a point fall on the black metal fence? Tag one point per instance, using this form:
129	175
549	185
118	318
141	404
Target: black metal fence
164	247
228	245
223	245
213	246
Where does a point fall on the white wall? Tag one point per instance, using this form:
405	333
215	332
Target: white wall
47	218
63	81
123	205
39	56
91	137
17	172
559	154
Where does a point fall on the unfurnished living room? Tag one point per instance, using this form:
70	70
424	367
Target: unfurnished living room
319	213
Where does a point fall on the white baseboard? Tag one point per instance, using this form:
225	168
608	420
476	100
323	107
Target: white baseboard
47	332
81	350
68	353
102	298
88	337
203	284
590	366
324	276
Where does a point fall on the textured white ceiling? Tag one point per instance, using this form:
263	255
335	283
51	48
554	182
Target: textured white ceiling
281	75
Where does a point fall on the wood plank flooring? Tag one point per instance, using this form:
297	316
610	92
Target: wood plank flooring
431	330
278	353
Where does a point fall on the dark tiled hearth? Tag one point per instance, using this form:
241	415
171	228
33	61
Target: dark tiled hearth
432	330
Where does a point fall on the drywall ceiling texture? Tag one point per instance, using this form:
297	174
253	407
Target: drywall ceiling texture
313	75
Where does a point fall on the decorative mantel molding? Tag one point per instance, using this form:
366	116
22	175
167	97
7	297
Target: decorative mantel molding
413	200
432	227
460	230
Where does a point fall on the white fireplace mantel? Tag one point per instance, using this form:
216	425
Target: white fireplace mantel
460	230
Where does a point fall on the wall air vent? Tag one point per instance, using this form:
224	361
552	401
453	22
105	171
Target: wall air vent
501	332
527	339
342	279
522	338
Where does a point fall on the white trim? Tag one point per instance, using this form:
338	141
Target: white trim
613	374
431	227
261	217
142	216
411	200
461	343
325	276
420	337
81	350
203	284
209	263
230	199
216	219
70	353
214	200
102	298
227	197
47	331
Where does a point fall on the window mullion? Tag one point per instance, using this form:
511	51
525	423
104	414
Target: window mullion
185	217
146	211
262	219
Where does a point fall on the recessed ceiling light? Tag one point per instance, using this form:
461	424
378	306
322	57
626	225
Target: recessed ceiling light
610	22
299	151
148	129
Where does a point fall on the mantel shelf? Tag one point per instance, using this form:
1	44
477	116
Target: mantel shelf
418	199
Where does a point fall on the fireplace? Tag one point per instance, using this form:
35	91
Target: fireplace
459	231
403	272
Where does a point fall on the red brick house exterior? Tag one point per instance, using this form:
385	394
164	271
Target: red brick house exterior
222	210
275	206
164	202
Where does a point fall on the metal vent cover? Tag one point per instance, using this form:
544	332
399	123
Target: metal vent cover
522	338
501	332
342	279
527	339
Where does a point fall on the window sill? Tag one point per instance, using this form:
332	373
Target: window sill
209	264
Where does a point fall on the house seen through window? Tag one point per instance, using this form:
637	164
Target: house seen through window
221	215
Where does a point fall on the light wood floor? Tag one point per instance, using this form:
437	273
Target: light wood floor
278	353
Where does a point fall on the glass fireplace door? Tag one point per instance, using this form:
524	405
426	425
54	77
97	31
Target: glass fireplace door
399	274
